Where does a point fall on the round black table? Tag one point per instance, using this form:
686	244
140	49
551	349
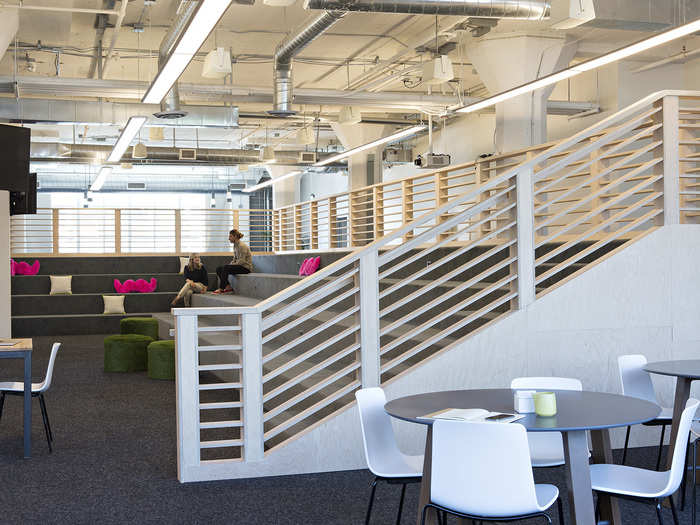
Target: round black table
577	413
685	371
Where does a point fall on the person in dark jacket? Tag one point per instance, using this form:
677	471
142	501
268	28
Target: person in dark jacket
196	280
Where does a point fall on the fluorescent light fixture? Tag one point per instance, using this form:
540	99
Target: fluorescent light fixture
588	65
200	25
270	182
133	126
105	171
390	138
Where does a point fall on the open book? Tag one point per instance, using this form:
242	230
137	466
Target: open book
473	414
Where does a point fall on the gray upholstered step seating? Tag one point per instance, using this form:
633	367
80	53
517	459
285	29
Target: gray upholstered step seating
75	324
88	303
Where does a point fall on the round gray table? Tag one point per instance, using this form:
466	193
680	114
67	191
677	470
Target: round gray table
685	371
577	413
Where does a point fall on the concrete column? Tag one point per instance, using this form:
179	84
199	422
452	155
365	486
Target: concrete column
508	60
285	192
5	321
364	169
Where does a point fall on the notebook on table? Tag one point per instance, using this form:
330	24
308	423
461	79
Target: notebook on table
473	414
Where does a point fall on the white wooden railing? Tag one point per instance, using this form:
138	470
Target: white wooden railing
298	357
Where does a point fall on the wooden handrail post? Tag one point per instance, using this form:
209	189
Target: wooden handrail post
671	164
187	395
117	231
251	376
441	197
236	219
276	230
378	211
314	225
332	222
525	231
369	319
178	231
353	222
297	226
55	229
407	205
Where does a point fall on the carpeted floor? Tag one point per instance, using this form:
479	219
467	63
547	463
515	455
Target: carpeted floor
114	461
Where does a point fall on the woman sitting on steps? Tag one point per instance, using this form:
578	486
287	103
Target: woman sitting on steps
196	280
241	263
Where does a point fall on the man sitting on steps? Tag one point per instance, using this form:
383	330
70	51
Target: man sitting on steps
241	263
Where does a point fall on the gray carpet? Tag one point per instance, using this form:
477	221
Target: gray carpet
114	461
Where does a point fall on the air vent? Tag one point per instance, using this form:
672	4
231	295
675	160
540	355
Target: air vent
135	185
236	186
307	157
188	154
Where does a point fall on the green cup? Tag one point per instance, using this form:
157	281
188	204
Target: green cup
545	404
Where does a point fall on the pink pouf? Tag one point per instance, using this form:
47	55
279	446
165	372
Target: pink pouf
138	286
23	268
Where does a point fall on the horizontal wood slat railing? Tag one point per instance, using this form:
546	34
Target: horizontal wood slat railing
522	225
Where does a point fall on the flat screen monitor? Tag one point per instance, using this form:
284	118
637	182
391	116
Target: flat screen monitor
14	157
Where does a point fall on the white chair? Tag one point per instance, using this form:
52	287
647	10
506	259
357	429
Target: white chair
546	448
16	388
636	382
482	471
384	459
638	484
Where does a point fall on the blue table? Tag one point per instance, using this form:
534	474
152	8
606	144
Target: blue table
577	414
22	349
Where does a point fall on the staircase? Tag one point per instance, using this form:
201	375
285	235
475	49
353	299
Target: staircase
255	377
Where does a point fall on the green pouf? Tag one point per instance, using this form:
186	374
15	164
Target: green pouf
140	325
161	360
126	352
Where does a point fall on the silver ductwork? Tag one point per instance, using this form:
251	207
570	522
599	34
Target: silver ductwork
170	105
283	91
512	9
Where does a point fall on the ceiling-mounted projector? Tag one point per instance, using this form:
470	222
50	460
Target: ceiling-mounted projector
432	160
217	63
438	71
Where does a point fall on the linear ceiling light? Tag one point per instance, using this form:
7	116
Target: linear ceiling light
270	182
105	171
201	24
133	126
588	65
390	138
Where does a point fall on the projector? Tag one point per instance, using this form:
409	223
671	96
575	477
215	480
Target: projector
432	160
217	63
438	71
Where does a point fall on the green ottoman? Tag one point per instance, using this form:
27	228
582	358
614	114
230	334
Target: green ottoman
161	360
140	325
126	352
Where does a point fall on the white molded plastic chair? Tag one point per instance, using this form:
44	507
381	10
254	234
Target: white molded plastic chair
637	483
16	388
482	471
546	448
636	382
384	459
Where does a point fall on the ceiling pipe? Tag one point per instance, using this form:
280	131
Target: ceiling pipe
283	94
512	9
170	105
115	35
59	9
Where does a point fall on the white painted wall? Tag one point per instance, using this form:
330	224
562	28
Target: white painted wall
644	299
322	184
5	321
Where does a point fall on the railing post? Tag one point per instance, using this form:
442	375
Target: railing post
117	231
178	231
525	230
313	227
186	386
297	225
353	237
407	205
276	230
251	375
671	164
378	211
369	319
54	230
332	222
236	220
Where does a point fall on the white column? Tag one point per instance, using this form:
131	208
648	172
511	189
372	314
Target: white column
369	319
508	60
5	255
253	430
671	161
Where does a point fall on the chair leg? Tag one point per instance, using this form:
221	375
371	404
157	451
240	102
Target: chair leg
549	520
673	510
661	446
685	474
695	485
560	510
403	493
627	441
2	402
371	501
658	512
46	426
424	514
42	400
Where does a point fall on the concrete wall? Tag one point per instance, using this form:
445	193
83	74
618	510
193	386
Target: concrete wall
644	299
